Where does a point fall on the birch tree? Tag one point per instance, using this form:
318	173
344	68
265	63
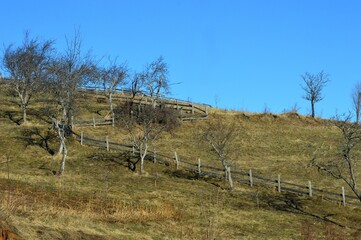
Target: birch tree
26	66
67	72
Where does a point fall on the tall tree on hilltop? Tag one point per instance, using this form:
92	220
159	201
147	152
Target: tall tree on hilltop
356	100
313	86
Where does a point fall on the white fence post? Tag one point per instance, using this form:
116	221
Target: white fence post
309	188
176	159
94	122
230	177
343	196
81	137
250	178
279	183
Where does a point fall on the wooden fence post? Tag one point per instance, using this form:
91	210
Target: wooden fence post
206	110
279	183
193	109
309	188
107	141
94	122
113	122
199	167
155	156
81	137
176	159
230	177
250	178
72	121
343	196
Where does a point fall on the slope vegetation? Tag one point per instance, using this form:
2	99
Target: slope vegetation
98	197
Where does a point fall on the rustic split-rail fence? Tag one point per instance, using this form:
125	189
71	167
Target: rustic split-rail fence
187	110
246	177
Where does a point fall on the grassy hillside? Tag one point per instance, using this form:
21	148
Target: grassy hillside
98	197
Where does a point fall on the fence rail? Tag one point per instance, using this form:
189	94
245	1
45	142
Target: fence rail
187	110
92	122
240	176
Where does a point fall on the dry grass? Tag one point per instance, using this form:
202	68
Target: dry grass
100	198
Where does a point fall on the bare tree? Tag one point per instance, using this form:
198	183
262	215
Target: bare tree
136	85
67	73
27	65
313	86
220	135
356	100
145	126
110	78
344	166
155	77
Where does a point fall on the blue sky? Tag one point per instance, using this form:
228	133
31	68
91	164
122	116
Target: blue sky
238	54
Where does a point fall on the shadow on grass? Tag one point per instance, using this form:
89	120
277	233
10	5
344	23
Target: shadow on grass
124	159
290	202
11	115
35	137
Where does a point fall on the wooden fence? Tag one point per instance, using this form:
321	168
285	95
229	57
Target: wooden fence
187	110
248	178
92	122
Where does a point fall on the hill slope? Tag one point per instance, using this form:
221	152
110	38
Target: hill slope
98	197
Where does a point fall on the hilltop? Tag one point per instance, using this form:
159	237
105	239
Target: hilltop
98	197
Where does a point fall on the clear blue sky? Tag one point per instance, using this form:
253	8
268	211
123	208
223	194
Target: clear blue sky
247	54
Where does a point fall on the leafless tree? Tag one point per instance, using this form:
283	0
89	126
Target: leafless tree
313	86
145	125
356	100
67	72
27	65
155	77
344	166
136	85
221	135
111	78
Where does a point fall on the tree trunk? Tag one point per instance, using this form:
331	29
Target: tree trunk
24	114
61	148
313	109
110	99
143	155
65	154
358	105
